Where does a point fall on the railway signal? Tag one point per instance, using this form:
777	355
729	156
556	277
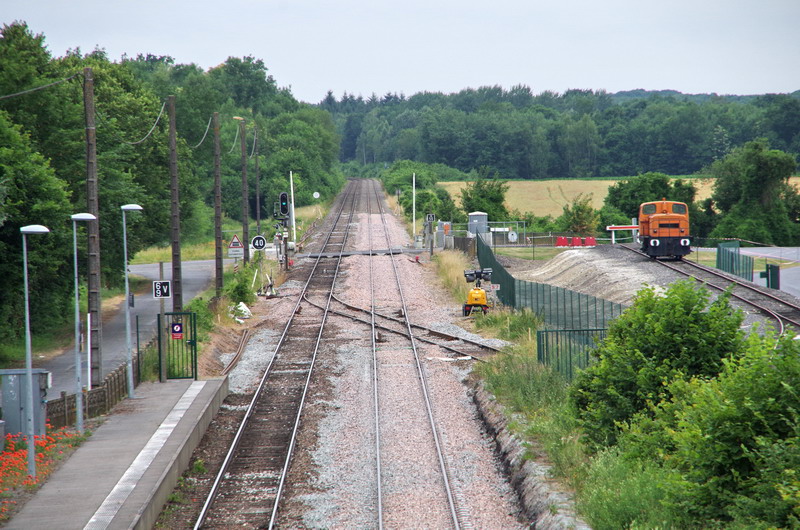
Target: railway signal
284	203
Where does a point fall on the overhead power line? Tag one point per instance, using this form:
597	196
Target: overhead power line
7	96
153	128
205	134
234	141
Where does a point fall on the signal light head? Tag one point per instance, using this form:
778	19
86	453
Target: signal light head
284	203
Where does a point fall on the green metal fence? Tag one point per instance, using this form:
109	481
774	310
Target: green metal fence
581	319
177	345
730	260
567	350
558	307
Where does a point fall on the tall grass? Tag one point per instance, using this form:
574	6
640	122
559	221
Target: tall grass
618	492
538	398
510	324
450	267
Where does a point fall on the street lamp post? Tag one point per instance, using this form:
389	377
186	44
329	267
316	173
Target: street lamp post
128	208
78	386
30	229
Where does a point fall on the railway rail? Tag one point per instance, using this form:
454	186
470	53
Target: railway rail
782	312
441	507
249	487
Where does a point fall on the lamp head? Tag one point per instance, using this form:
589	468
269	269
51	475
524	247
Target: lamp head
83	217
131	207
34	229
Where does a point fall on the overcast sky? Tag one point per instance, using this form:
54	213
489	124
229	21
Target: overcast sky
409	46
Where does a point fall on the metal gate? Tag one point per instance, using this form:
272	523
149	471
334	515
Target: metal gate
177	345
567	350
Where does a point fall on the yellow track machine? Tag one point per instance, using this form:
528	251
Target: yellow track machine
476	299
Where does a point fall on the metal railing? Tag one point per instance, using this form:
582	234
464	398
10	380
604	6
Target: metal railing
567	350
580	319
558	307
731	260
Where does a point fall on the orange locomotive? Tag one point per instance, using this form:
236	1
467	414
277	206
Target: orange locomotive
664	229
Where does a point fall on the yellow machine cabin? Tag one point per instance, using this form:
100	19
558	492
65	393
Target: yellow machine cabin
476	298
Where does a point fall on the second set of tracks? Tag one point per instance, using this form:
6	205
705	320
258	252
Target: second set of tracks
778	309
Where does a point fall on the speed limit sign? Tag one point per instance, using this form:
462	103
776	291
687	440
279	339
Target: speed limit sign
259	242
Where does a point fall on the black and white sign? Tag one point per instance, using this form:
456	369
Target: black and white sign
430	217
259	242
162	289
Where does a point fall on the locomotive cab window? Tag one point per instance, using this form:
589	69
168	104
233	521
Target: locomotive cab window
679	208
649	209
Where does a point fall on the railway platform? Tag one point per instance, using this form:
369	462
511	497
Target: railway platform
123	473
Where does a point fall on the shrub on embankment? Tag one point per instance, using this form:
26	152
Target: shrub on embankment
711	431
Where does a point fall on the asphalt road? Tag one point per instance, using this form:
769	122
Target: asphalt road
790	276
196	277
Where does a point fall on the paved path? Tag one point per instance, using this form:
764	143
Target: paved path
197	276
790	276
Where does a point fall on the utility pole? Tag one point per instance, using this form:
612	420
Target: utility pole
245	213
217	209
177	289
96	324
258	184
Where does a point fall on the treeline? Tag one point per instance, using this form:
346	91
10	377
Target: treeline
752	198
580	133
43	158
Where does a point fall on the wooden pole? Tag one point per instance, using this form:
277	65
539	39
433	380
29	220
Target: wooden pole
177	287
217	209
93	228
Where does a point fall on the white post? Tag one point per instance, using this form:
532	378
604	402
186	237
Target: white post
414	206
129	357
29	417
291	208
29	429
78	386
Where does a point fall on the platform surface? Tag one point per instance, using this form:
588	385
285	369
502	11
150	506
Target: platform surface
122	474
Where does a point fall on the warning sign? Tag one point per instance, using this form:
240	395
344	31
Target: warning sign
177	330
235	248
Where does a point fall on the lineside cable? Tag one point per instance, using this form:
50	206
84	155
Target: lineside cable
7	96
208	127
234	140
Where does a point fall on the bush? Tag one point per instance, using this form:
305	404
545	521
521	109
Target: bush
737	439
240	290
657	340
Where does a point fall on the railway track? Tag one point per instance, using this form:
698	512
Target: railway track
394	362
782	312
249	488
